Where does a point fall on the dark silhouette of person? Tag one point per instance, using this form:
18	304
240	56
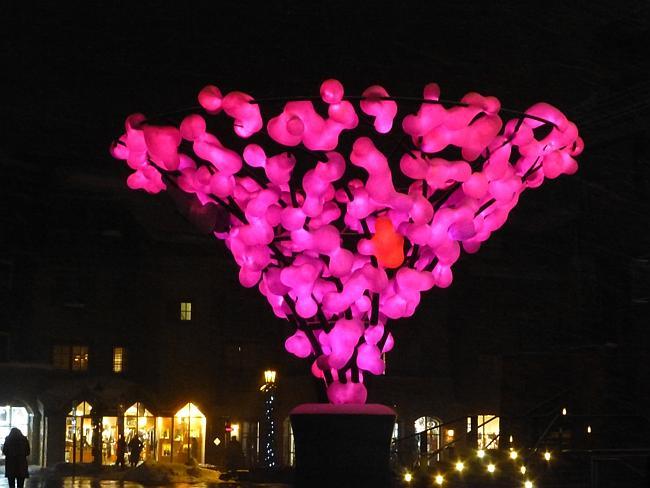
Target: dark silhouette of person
135	449
234	455
120	451
194	447
16	449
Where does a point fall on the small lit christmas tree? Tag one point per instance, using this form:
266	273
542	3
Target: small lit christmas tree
268	428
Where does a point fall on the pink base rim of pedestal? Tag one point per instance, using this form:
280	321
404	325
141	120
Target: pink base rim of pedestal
342	409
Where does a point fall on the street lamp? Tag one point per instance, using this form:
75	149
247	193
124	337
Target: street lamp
268	388
269	376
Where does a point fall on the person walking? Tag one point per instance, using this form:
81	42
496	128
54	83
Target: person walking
135	449
121	451
16	449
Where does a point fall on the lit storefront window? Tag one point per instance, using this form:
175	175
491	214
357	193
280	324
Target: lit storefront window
138	421
165	436
13	417
188	434
119	359
186	310
428	438
79	434
488	432
109	440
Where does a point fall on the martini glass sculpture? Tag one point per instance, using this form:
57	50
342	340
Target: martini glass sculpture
341	209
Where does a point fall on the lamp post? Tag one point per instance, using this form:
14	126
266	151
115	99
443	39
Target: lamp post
268	433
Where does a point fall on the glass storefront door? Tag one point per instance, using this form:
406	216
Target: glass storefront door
141	422
189	434
428	438
79	434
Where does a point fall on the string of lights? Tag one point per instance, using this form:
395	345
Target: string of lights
525	467
488	465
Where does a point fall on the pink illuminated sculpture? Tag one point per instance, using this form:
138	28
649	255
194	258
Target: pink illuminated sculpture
343	220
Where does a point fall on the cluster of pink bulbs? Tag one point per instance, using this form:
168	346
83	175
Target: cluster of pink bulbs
341	256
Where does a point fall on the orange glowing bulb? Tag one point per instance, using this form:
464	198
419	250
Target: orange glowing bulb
388	245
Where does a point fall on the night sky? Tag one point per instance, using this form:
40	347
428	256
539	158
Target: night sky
71	74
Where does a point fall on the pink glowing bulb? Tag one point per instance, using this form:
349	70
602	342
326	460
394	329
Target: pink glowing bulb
192	127
331	91
247	115
211	99
383	111
162	145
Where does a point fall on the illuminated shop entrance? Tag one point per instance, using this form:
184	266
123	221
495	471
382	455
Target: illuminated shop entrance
14	416
428	438
182	436
189	434
79	434
138	421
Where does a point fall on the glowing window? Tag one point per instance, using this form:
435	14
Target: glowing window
81	410
137	410
79	358
186	310
119	359
428	438
394	443
488	432
289	443
70	357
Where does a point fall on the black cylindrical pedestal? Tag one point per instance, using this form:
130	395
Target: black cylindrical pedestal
342	445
